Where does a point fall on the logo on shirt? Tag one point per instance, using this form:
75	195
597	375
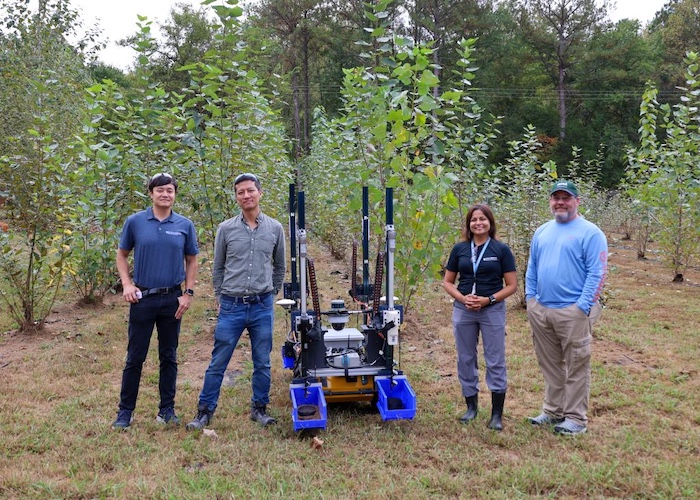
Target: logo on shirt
490	259
173	233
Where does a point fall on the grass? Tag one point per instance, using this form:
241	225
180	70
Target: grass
60	390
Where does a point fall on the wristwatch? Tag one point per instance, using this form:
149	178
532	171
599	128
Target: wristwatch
492	300
189	292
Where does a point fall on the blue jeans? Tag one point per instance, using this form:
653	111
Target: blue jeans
158	311
258	319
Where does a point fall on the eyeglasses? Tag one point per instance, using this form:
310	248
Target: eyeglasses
245	177
561	198
164	174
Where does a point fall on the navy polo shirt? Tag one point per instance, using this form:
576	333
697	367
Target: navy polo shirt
159	247
497	260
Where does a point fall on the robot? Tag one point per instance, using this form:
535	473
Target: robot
330	361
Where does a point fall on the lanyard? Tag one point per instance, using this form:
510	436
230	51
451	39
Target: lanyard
476	261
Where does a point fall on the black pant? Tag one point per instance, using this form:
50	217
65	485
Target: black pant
150	311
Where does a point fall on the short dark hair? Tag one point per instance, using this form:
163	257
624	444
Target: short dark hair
247	177
161	179
467	232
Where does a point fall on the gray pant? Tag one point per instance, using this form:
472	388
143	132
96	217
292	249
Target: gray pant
562	340
491	321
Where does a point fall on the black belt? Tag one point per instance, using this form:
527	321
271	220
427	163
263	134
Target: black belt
248	299
158	291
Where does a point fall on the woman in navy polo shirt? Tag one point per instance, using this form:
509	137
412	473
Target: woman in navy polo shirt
474	276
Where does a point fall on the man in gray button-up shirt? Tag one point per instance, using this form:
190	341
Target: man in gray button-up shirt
248	271
248	257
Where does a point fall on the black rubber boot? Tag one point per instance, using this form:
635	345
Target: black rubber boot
472	409
203	417
258	413
497	401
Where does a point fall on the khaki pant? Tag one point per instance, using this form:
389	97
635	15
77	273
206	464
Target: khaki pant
562	340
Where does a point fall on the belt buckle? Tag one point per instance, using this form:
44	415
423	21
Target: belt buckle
248	299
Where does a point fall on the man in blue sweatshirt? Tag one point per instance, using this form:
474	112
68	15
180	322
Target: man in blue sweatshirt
565	277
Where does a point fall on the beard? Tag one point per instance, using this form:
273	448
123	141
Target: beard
564	215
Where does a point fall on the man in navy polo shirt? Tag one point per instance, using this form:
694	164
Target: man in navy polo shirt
248	271
165	255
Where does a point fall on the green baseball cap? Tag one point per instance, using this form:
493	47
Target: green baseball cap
563	185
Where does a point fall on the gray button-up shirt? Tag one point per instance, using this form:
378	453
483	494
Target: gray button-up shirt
248	261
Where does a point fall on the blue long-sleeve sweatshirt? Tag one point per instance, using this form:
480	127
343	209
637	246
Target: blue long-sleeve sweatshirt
567	264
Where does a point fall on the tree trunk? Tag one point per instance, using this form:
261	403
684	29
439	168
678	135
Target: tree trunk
306	139
561	89
297	120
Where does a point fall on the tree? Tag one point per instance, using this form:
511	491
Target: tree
185	38
34	48
508	84
42	107
664	176
395	133
606	89
676	29
295	23
228	125
524	202
443	23
556	31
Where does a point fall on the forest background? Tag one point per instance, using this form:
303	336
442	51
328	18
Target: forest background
447	102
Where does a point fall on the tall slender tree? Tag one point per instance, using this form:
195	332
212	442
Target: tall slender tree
443	23
296	26
556	30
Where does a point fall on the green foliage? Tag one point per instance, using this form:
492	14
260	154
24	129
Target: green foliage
521	204
124	140
664	177
675	30
407	122
606	96
34	49
185	39
230	129
32	255
98	198
39	84
329	173
69	198
223	128
401	130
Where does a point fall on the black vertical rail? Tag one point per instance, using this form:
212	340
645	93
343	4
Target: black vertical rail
365	242
301	211
389	206
390	247
390	235
293	238
305	322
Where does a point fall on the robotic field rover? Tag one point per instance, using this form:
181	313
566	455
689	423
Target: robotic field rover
339	363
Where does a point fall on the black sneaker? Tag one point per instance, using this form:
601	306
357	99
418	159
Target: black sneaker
258	413
123	421
167	416
203	417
